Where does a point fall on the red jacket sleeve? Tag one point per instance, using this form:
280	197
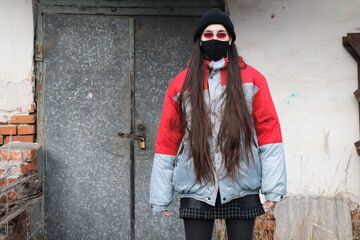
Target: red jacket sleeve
266	121
170	131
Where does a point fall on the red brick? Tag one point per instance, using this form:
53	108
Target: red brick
18	155
28	167
265	216
26	129
356	229
3	154
30	154
8	130
12	155
23	119
6	181
356	225
19	227
8	198
263	235
22	216
26	138
355	215
268	225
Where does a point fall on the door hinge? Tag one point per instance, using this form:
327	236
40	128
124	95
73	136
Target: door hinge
39	53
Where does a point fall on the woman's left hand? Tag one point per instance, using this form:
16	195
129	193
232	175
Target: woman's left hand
167	213
268	205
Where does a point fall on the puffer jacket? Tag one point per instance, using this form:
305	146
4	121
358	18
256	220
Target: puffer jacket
173	168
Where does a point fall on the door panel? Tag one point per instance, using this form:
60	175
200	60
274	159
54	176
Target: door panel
162	48
86	103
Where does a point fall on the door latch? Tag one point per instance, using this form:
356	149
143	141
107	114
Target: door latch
140	137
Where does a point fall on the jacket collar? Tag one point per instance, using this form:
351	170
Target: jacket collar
209	64
216	65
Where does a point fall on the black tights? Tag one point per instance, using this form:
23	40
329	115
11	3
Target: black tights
201	229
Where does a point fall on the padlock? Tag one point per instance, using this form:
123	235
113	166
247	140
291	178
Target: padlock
142	143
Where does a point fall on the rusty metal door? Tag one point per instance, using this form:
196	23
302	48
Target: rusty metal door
104	75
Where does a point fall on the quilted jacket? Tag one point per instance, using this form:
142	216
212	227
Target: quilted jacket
173	168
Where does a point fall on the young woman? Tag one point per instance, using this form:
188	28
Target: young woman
219	139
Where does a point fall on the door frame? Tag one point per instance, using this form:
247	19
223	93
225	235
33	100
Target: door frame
187	8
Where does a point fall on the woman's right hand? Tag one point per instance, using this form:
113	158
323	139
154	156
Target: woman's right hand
167	213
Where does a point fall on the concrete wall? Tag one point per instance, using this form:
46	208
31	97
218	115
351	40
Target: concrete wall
297	45
16	58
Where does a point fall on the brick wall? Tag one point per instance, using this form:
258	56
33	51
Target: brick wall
18	228
355	215
265	226
20	188
18	128
263	230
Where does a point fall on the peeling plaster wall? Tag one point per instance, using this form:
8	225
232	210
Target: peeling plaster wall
297	45
16	58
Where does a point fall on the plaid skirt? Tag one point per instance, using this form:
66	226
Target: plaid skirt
241	208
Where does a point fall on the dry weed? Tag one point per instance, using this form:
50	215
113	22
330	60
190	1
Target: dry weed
17	192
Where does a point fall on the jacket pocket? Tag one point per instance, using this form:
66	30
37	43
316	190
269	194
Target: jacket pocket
249	174
249	183
184	176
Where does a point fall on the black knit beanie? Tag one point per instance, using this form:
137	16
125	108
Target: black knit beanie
214	16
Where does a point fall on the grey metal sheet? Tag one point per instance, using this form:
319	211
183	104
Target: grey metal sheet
162	48
86	103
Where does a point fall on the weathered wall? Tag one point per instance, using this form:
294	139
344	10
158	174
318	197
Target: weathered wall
297	45
16	59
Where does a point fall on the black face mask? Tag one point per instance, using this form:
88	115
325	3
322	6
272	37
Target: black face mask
215	49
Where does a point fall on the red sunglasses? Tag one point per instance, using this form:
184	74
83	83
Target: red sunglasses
219	35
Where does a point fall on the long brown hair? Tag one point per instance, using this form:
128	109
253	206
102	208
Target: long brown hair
235	134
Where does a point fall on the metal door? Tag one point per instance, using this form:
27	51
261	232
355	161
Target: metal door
104	75
163	47
86	103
